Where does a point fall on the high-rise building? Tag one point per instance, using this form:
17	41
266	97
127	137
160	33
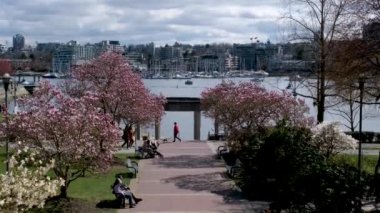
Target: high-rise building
47	47
18	42
63	58
254	56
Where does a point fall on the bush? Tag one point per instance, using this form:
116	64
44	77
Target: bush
338	188
291	173
279	166
230	158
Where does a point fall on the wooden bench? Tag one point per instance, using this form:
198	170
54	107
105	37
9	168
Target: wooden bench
132	166
232	162
232	170
221	149
140	152
120	199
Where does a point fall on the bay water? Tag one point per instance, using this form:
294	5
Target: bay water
178	88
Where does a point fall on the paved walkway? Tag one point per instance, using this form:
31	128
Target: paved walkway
188	179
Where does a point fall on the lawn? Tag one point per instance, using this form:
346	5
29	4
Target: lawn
368	161
95	187
2	159
87	191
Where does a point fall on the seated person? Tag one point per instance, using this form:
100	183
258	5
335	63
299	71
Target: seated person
150	148
120	188
154	144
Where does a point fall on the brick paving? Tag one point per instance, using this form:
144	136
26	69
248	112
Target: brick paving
188	179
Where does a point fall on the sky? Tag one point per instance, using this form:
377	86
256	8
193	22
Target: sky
141	21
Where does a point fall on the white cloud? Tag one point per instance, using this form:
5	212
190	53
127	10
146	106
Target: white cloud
130	21
165	14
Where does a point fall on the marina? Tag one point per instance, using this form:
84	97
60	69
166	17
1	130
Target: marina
179	88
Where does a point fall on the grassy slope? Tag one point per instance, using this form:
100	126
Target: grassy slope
368	161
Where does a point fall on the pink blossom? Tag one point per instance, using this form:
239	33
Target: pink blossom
245	108
118	90
69	130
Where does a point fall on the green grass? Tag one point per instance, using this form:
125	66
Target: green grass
95	187
371	148
2	160
368	161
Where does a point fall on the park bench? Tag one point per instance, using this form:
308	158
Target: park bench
120	199
132	167
149	150
142	153
232	162
232	170
221	150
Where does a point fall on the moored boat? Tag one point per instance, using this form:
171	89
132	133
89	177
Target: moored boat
51	75
189	82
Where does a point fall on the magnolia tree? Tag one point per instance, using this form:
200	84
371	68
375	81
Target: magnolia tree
329	138
246	108
119	91
27	185
72	131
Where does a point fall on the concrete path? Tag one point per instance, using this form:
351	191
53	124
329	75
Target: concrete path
188	179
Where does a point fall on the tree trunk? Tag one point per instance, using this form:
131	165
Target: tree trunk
63	191
321	101
352	124
322	70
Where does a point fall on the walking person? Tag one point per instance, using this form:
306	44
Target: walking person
125	136
176	132
131	136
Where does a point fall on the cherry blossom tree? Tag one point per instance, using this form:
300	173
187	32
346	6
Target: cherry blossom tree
330	139
119	91
27	185
246	108
72	131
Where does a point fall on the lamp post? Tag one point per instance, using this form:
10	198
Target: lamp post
15	95
6	81
361	91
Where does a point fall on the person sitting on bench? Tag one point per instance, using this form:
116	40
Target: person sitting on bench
150	148
120	188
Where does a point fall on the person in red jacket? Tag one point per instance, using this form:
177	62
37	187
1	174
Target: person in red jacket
176	132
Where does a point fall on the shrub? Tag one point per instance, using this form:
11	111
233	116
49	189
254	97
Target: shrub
338	188
279	167
294	175
329	139
26	185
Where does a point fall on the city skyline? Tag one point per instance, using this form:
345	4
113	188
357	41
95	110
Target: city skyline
130	22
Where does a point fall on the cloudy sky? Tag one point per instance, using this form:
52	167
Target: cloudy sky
140	21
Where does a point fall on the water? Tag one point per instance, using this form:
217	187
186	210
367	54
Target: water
177	88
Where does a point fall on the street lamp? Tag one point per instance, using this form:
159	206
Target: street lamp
361	91
6	81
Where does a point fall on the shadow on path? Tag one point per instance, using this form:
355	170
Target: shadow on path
210	182
219	184
188	161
